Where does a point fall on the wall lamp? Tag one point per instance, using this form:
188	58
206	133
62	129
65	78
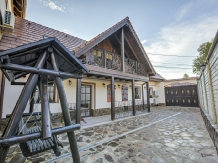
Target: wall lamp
130	86
202	66
118	85
70	82
103	84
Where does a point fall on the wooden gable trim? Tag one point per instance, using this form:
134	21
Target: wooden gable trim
140	46
100	39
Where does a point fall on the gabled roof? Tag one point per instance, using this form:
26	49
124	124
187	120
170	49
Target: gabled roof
26	32
157	77
136	44
177	84
27	55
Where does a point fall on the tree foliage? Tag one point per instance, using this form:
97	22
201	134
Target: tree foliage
185	76
203	53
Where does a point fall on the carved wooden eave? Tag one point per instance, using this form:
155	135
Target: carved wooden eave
133	46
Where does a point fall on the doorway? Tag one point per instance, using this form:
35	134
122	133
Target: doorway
86	100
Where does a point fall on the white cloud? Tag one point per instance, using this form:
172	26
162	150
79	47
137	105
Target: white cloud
143	41
181	39
52	5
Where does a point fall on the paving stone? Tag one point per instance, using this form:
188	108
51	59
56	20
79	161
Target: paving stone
182	138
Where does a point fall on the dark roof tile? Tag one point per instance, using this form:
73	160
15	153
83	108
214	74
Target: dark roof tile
26	32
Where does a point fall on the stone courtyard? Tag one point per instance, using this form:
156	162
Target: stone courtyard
166	134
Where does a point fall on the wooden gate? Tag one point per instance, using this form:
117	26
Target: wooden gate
185	96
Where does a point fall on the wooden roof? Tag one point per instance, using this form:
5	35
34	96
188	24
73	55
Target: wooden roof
132	44
27	32
28	54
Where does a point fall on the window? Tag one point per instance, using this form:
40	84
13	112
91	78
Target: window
137	92
124	93
150	92
109	93
51	94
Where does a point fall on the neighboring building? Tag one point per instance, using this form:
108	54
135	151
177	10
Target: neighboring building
157	85
9	9
114	56
156	90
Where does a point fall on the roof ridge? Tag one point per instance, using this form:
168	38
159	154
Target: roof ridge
55	30
94	38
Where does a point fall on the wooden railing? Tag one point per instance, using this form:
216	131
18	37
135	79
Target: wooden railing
105	59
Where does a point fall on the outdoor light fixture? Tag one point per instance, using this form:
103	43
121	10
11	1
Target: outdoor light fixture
70	82
130	86
103	84
202	66
118	85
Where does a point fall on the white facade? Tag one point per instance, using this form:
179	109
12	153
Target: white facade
98	95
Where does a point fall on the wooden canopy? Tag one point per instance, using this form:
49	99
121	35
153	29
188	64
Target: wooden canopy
27	55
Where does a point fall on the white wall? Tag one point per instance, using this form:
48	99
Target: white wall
99	94
2	11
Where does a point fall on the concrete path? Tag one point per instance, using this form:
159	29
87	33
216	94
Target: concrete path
167	134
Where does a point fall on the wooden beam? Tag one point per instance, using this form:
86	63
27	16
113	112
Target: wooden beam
143	96
46	121
133	97
32	100
35	70
91	75
99	39
2	96
148	97
120	44
78	100
131	48
112	99
122	50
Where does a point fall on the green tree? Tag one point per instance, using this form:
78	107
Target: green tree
203	53
185	76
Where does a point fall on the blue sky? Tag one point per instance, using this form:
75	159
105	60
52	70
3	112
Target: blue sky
171	27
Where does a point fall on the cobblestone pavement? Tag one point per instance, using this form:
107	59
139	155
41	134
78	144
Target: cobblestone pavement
167	134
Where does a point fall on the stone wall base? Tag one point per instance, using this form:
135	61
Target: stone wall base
212	128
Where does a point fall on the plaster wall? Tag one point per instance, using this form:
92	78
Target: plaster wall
98	97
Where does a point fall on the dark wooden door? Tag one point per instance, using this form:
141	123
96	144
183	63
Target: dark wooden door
185	96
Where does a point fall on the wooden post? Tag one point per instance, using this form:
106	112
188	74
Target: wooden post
148	98
205	92
20	106
32	102
122	50
78	101
143	97
65	111
46	121
133	97
104	59
212	94
2	97
112	99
